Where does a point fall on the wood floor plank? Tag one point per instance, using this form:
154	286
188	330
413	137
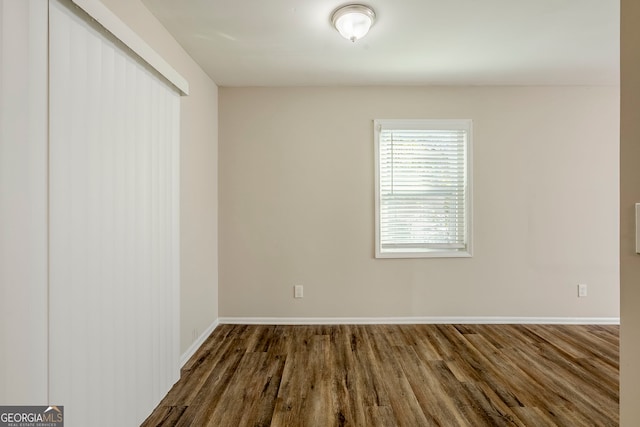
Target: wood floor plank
165	416
438	407
418	338
494	412
380	416
220	343
264	390
404	403
464	405
347	386
250	379
505	373
303	397
206	400
576	397
399	375
369	371
532	416
193	382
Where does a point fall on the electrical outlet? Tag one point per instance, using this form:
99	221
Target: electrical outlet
298	291
582	290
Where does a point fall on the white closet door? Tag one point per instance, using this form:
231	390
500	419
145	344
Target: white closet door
114	206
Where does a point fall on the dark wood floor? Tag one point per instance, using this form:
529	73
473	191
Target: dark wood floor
399	375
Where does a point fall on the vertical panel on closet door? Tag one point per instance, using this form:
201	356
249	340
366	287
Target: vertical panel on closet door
114	261
23	202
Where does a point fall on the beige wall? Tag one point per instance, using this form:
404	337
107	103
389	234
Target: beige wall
629	195
199	174
296	204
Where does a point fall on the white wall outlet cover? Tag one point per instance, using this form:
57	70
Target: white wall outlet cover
582	290
298	291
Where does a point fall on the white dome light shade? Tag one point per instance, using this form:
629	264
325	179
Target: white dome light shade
353	21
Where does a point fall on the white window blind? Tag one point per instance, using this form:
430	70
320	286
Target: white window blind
423	188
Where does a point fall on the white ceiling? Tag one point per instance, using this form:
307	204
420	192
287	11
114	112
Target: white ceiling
413	42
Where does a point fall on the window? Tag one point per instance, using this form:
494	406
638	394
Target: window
423	188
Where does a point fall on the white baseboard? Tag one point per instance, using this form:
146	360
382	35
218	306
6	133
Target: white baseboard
418	320
197	343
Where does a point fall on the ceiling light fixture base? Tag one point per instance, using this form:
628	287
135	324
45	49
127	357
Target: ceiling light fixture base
353	21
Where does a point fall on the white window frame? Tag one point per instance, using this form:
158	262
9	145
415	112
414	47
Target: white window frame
426	124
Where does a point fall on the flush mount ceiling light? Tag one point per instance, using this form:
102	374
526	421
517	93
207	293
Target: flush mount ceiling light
353	21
